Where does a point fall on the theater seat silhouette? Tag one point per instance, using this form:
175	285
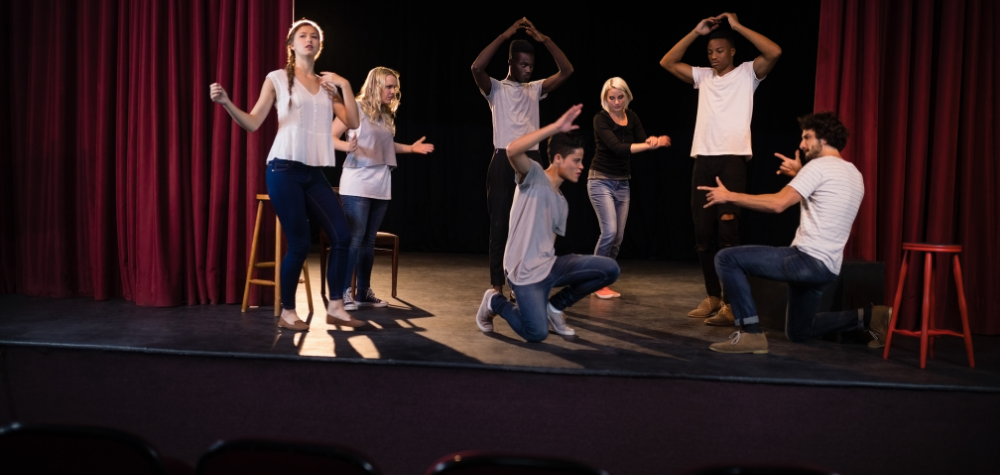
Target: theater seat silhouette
485	463
261	456
70	450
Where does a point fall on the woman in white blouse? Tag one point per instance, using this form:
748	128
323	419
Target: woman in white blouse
366	179
299	192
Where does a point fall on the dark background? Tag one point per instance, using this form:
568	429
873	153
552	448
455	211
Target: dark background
439	200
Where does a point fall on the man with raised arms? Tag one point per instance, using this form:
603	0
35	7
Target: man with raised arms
537	216
830	190
721	143
514	105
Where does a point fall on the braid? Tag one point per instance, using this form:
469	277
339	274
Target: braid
290	71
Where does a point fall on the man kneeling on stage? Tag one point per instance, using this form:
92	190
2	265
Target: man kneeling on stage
830	190
538	214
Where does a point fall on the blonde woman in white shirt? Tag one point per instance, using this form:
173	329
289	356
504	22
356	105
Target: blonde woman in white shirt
306	104
366	179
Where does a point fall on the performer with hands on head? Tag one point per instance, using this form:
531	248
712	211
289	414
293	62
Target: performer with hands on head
830	190
299	192
514	107
366	179
538	215
721	142
619	134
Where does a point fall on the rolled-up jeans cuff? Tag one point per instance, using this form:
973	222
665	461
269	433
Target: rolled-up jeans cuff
748	321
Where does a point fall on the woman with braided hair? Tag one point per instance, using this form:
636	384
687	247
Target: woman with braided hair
366	180
306	104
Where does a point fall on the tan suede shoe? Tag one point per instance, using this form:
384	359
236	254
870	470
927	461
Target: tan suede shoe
879	326
724	318
353	322
742	342
707	307
298	326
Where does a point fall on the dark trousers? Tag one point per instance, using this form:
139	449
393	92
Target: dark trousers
500	197
300	194
711	232
806	276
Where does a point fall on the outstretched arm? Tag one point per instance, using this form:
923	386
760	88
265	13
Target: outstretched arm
418	147
672	60
551	83
515	150
483	60
772	203
252	121
769	50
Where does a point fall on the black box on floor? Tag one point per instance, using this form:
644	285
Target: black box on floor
859	285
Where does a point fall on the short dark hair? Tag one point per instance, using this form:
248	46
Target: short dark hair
521	46
828	127
564	143
723	33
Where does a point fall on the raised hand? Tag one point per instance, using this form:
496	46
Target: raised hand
327	77
788	166
420	147
707	26
217	93
653	142
733	21
565	123
516	26
716	195
664	141
352	145
533	32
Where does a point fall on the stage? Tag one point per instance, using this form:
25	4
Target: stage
638	367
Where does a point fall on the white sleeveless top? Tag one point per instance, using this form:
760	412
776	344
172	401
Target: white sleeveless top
304	128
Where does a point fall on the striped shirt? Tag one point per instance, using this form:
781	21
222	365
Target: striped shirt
831	190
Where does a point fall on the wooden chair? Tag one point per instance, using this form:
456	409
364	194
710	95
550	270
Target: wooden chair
385	244
275	264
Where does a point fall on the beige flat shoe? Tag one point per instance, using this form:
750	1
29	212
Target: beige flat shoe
353	322
298	326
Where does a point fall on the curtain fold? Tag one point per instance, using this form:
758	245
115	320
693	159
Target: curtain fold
127	180
915	82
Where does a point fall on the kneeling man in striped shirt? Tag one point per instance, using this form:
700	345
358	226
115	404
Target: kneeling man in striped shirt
830	190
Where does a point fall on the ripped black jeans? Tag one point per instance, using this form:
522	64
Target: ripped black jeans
711	232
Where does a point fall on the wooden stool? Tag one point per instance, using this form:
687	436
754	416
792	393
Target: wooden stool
927	312
276	264
385	243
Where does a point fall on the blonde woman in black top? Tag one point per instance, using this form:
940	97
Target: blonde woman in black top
619	134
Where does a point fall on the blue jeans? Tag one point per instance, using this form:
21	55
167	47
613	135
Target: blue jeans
610	199
364	216
300	194
578	275
807	278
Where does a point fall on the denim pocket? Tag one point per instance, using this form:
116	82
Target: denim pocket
280	166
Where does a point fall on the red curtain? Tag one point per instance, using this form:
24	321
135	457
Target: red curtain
916	83
126	179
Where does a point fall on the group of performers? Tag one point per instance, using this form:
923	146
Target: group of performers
526	208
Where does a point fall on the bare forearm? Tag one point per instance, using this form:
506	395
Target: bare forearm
639	147
771	203
677	52
483	60
769	49
402	148
244	120
341	145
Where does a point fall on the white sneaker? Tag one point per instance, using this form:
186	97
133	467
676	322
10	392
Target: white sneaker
369	300
557	321
349	303
484	317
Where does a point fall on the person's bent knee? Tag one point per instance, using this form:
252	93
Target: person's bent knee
536	336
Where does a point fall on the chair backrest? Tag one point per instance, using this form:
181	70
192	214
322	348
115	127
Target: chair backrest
53	449
259	457
483	463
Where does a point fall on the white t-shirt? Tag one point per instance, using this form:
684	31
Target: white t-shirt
538	214
725	107
304	127
373	182
515	110
832	190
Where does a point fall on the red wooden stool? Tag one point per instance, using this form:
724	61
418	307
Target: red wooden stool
927	312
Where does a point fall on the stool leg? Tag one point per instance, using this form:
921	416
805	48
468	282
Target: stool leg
309	294
964	311
277	267
925	311
931	312
322	264
253	257
395	263
895	304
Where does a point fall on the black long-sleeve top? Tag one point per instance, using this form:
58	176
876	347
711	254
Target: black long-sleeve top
614	143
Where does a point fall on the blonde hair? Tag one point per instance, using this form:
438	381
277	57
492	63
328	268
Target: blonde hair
615	83
290	64
370	98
